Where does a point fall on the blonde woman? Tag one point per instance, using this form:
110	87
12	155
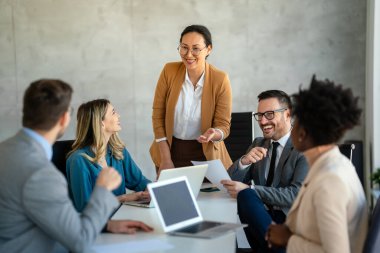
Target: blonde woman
98	146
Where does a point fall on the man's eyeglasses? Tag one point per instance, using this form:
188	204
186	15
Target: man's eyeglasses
269	115
183	50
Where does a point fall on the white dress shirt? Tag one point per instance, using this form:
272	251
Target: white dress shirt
187	115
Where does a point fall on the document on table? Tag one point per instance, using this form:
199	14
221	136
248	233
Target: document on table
133	247
215	172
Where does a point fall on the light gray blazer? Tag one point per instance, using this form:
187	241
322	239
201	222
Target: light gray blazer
36	213
290	172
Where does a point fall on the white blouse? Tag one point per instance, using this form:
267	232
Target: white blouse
187	115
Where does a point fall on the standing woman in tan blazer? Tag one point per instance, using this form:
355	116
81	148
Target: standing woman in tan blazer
192	106
330	212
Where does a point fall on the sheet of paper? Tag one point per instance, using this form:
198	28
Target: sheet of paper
215	172
137	246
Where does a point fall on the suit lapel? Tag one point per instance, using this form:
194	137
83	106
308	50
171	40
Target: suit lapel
284	156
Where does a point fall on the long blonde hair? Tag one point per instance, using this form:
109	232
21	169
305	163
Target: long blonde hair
89	131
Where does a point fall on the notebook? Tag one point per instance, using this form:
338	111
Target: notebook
179	212
195	175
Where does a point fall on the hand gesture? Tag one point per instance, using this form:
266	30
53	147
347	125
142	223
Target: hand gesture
108	178
207	136
127	226
233	187
254	155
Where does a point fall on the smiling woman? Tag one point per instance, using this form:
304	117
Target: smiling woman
98	146
192	106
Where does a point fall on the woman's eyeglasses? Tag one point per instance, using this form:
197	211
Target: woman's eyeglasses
183	50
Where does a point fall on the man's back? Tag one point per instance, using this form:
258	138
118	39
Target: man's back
21	159
35	210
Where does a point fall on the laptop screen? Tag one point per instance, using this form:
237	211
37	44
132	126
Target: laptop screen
175	202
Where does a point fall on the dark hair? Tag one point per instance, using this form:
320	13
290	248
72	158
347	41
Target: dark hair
282	97
326	111
202	30
45	101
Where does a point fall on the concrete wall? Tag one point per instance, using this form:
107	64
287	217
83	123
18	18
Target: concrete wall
116	49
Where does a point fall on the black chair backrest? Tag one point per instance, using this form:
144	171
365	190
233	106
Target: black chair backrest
347	149
241	134
60	150
354	151
372	243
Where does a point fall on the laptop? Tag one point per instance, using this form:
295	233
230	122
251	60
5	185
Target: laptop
195	175
179	212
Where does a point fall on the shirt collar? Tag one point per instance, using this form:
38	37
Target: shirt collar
199	83
283	140
41	140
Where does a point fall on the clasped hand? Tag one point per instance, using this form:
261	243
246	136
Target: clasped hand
254	155
278	235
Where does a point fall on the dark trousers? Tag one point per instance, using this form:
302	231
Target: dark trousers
251	211
185	151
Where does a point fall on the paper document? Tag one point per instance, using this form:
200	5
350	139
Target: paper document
215	172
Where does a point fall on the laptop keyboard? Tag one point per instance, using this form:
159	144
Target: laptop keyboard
199	227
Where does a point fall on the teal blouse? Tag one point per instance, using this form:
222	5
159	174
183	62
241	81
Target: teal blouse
82	175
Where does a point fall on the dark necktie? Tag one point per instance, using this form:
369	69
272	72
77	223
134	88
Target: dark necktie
272	164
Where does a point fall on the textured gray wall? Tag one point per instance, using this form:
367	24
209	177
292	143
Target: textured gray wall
116	49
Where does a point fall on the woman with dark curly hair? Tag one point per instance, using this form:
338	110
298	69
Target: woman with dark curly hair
330	211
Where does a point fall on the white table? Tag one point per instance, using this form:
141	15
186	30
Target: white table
216	206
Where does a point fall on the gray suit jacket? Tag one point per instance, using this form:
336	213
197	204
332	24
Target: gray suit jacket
36	213
289	175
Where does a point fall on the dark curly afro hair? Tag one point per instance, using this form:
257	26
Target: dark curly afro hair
326	111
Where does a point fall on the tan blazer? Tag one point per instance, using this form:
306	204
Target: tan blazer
330	211
215	110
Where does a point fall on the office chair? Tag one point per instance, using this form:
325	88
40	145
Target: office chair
241	134
372	243
354	151
347	149
60	150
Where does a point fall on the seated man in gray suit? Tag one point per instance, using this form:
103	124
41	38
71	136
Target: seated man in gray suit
269	176
36	213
